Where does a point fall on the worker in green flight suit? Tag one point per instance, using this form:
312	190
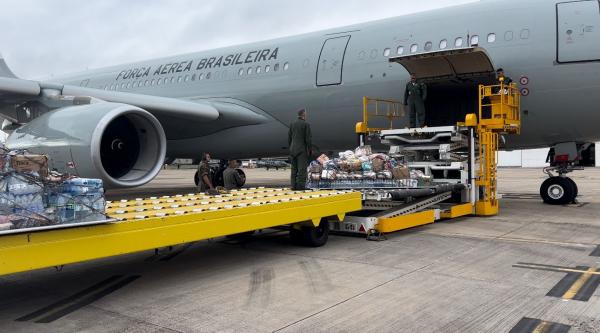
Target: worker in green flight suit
300	141
414	97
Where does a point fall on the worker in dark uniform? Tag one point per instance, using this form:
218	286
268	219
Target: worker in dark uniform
414	97
300	141
204	173
231	177
502	78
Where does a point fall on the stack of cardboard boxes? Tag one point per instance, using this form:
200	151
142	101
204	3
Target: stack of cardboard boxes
31	197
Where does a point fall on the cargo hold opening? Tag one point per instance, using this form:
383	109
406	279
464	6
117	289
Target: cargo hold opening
452	79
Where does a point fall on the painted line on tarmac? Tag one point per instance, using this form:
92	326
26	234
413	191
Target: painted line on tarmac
596	252
87	300
78	300
579	284
531	325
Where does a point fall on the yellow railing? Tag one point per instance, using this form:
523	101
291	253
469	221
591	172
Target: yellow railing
376	109
500	108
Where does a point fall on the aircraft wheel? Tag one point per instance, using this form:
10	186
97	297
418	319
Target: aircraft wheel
575	188
196	178
243	175
557	191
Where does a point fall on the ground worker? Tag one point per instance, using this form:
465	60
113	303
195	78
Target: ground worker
300	141
204	174
231	177
414	97
502	78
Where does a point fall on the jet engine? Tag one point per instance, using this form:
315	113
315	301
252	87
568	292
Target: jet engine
121	144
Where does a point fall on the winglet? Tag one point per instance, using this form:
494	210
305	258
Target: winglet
5	70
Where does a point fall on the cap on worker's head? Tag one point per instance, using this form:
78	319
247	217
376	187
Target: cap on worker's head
301	112
499	70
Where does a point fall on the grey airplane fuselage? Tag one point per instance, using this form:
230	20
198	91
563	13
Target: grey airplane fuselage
561	102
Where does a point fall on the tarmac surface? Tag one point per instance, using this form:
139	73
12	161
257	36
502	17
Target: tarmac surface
532	268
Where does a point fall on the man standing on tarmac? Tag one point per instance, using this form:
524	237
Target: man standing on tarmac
300	141
204	182
414	97
231	177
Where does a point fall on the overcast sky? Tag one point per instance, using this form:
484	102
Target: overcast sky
41	37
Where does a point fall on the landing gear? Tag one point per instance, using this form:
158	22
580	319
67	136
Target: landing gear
559	191
564	158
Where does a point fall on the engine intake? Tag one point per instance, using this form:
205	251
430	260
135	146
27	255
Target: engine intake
121	144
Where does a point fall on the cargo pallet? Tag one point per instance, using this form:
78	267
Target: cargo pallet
464	155
154	223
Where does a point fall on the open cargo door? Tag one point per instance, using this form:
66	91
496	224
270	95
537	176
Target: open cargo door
452	78
447	65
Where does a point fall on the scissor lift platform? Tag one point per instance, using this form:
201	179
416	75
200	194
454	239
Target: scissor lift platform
160	222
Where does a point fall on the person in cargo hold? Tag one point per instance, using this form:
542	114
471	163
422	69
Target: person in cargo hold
414	97
204	172
300	141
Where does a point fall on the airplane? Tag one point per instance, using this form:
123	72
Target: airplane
122	122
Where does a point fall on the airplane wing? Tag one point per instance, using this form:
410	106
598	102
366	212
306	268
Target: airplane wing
14	90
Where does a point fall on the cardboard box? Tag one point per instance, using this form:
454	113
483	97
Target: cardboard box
401	172
30	163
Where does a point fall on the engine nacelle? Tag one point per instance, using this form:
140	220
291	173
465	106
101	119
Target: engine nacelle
121	144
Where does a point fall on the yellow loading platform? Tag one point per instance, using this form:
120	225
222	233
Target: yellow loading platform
160	222
498	114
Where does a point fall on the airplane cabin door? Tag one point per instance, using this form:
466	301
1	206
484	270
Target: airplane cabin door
331	61
578	31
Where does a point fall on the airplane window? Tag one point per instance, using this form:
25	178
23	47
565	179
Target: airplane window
194	77
224	74
159	82
249	71
179	79
414	48
208	75
128	85
508	36
241	72
458	42
443	44
428	46
286	66
105	87
374	53
491	38
386	52
147	83
474	40
362	55
172	79
123	85
187	78
267	68
258	70
400	49
276	68
152	82
201	76
112	87
525	34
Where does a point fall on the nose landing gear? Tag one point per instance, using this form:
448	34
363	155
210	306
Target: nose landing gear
564	158
559	190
